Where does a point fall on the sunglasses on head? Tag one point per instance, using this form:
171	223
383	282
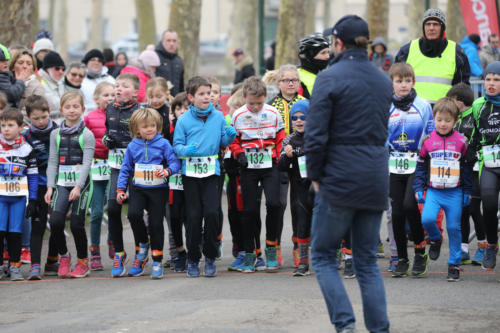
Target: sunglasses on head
295	118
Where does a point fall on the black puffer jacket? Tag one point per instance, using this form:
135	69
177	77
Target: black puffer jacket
117	124
12	88
171	69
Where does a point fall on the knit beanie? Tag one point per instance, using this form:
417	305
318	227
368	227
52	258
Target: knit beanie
43	44
435	14
300	106
149	57
493	68
94	53
4	53
52	59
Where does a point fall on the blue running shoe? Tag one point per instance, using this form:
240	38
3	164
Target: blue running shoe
237	264
210	268
260	265
490	257
142	254
271	258
157	272
193	269
479	255
119	261
392	263
35	273
248	263
138	266
465	258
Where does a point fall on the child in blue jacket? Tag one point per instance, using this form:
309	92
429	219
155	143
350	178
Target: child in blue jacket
151	160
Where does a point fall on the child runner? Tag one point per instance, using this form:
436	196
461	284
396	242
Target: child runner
149	160
38	136
443	161
94	121
199	135
464	96
117	138
18	179
260	132
69	184
410	120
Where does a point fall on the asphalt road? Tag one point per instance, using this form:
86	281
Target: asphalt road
233	302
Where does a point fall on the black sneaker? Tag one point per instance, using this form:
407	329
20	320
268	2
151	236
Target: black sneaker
490	257
420	264
435	249
402	268
180	263
453	273
301	270
348	269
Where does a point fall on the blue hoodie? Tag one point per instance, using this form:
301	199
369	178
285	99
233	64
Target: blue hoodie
208	135
471	51
156	151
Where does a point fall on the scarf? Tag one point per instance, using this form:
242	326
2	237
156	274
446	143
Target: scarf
71	130
66	82
93	75
201	113
404	103
13	144
433	49
124	105
45	130
495	100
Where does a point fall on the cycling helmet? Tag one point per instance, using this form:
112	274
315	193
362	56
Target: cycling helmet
310	45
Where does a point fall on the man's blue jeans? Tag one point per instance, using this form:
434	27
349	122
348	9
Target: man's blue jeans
329	225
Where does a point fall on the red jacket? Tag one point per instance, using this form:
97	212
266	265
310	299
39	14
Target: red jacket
94	121
143	79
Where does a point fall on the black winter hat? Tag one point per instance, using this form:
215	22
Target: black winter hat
53	59
94	53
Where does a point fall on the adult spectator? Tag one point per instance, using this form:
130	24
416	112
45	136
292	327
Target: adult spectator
379	56
244	66
347	161
171	65
438	62
23	66
52	75
113	68
470	45
12	88
121	59
490	52
272	57
144	67
74	76
314	55
40	49
96	73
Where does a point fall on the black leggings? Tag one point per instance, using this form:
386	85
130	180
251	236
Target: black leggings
177	216
404	208
153	200
284	184
474	211
13	244
222	179
490	185
38	226
79	207
301	206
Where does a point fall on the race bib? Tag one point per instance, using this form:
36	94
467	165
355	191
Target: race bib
444	173
175	182
144	174
100	169
302	166
68	175
491	156
115	158
13	186
200	167
402	163
259	158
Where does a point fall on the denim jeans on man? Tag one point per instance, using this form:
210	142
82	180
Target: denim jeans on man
329	225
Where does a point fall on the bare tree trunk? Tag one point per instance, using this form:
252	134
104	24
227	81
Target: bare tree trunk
60	29
291	28
146	26
455	26
35	19
52	14
185	17
15	25
326	14
378	14
251	44
416	9
235	34
96	31
310	16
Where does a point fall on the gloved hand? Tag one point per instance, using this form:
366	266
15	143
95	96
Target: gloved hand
163	172
120	196
191	150
467	200
31	209
109	142
230	131
242	159
420	197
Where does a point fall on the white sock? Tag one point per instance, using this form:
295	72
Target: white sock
465	247
348	256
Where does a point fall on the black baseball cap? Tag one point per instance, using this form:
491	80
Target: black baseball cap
349	27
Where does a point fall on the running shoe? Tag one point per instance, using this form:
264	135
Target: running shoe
119	262
279	255
402	268
15	272
479	255
453	273
180	262
35	273
271	258
348	269
219	251
142	254
95	262
237	264
392	263
64	266
81	269
248	263
51	269
193	269
296	257
465	258
25	255
490	257
260	264
420	264
302	269
111	249
138	266
435	249
157	271
210	268
380	250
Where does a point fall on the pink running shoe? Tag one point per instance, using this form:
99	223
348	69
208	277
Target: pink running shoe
95	263
64	266
25	256
111	249
81	269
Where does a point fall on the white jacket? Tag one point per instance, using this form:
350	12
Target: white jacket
53	92
89	85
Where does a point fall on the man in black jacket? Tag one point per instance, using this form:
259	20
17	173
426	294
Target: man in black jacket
171	65
347	162
244	66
